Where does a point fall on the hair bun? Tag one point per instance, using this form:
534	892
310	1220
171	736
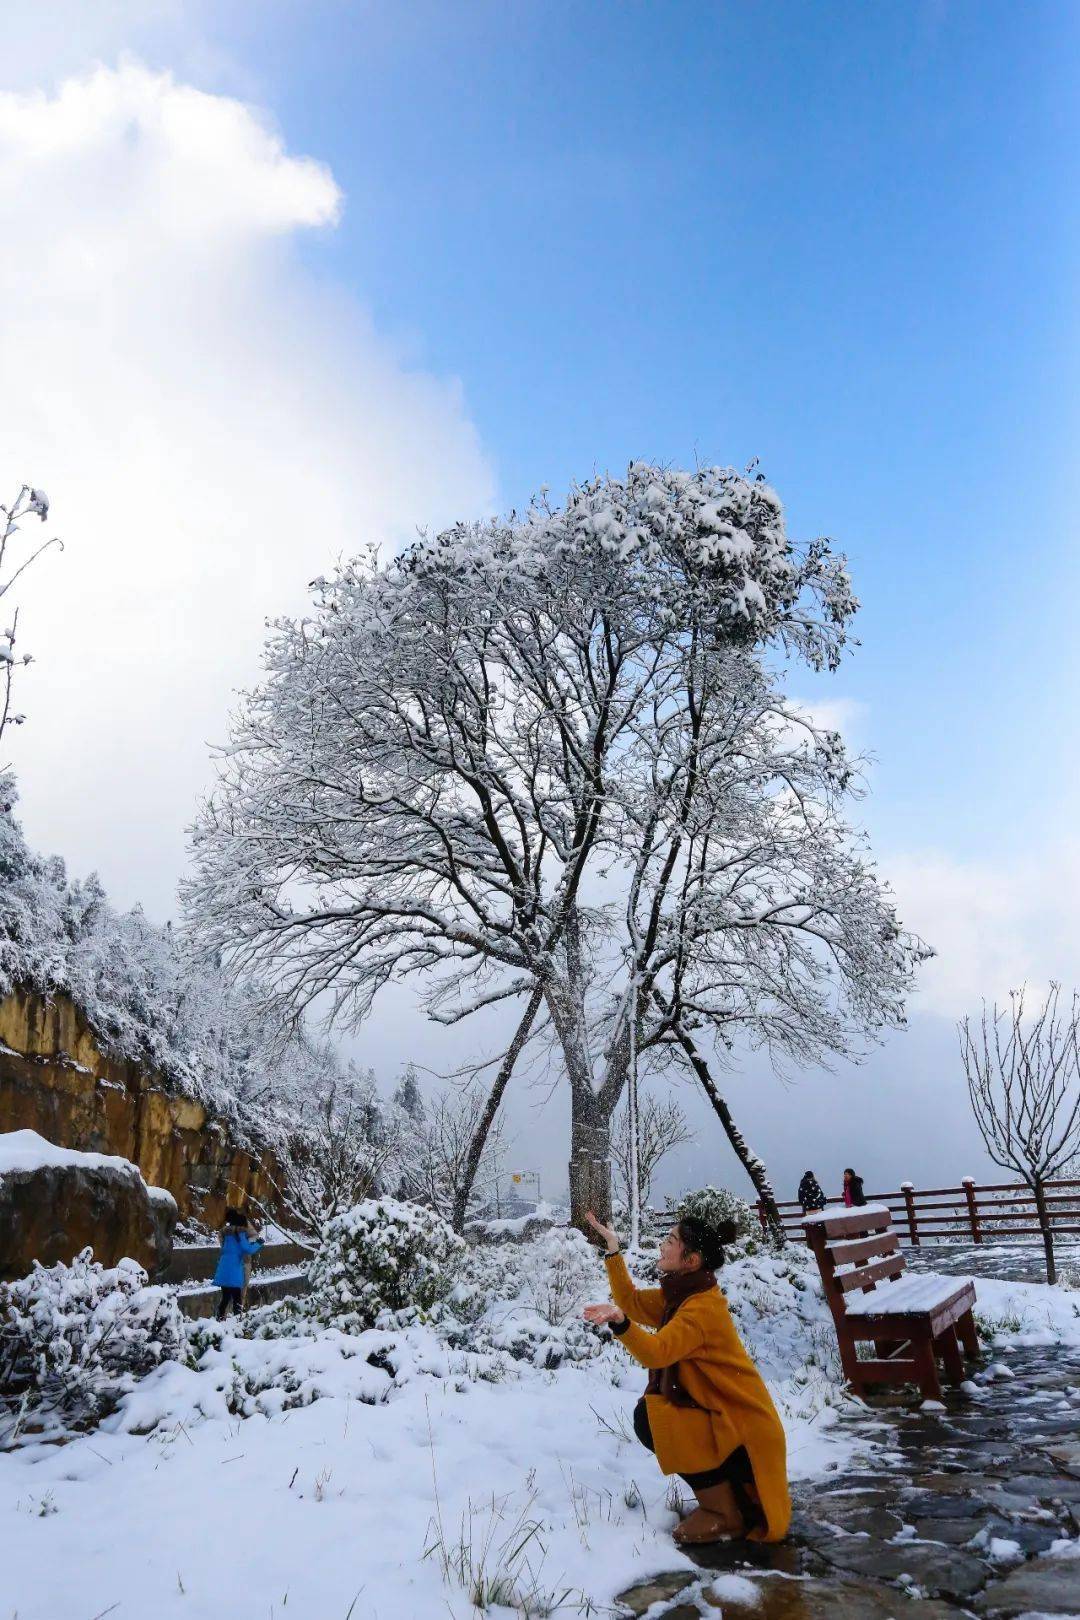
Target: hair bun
727	1230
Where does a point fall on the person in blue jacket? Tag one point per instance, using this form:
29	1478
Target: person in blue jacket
235	1245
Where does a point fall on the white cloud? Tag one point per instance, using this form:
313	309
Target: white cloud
845	715
995	925
212	424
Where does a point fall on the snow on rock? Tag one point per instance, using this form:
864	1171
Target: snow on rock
22	1151
515	1227
735	1589
55	1202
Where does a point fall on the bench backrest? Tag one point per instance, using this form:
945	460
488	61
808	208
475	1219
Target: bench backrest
855	1249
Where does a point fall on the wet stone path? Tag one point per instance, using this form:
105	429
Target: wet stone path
954	1513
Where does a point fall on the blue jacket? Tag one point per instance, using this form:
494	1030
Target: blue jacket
230	1268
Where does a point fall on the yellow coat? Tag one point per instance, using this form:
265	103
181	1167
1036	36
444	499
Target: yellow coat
717	1373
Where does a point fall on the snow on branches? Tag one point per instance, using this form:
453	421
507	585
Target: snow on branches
77	1337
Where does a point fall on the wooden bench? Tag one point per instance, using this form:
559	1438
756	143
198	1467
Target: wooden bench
910	1318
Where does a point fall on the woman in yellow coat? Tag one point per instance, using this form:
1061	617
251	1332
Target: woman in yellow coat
706	1412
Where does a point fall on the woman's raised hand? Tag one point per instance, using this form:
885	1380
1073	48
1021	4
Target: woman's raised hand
601	1315
608	1233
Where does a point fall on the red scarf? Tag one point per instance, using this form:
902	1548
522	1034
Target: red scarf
677	1287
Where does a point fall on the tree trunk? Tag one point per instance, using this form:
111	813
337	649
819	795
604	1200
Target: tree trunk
1045	1228
746	1156
590	1116
590	1167
491	1108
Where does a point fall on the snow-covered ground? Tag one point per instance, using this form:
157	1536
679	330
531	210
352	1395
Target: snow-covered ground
388	1490
1027	1312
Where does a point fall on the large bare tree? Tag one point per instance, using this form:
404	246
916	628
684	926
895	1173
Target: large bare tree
549	760
1023	1076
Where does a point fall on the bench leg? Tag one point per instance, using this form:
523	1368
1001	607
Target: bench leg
926	1369
950	1353
849	1360
969	1334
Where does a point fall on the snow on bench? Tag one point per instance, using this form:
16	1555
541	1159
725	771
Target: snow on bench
873	1296
927	1292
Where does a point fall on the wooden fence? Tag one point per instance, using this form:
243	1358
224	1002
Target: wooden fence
969	1213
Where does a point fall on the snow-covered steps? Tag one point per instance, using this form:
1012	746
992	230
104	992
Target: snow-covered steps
199	1299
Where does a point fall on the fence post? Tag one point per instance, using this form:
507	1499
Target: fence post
761	1216
909	1199
968	1184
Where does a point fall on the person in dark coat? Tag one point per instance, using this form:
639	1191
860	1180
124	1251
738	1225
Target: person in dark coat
853	1189
810	1194
235	1245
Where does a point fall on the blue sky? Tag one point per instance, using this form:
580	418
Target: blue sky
841	238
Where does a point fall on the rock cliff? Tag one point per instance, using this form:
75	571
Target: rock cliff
55	1079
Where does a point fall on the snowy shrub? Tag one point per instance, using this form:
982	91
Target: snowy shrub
530	1339
383	1255
714	1206
76	1337
562	1276
524	1299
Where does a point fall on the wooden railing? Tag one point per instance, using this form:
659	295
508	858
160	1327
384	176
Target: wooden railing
969	1213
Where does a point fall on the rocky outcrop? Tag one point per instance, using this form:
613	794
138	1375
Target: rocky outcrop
55	1202
56	1080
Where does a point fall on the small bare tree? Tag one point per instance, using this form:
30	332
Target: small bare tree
1023	1076
28	503
662	1127
434	1152
340	1150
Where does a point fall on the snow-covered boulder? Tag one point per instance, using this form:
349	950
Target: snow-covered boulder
55	1202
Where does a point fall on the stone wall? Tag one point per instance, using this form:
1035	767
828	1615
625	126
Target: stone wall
55	1080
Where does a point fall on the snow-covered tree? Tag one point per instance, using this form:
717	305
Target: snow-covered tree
549	760
146	1002
383	1255
407	1093
1023	1077
28	503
